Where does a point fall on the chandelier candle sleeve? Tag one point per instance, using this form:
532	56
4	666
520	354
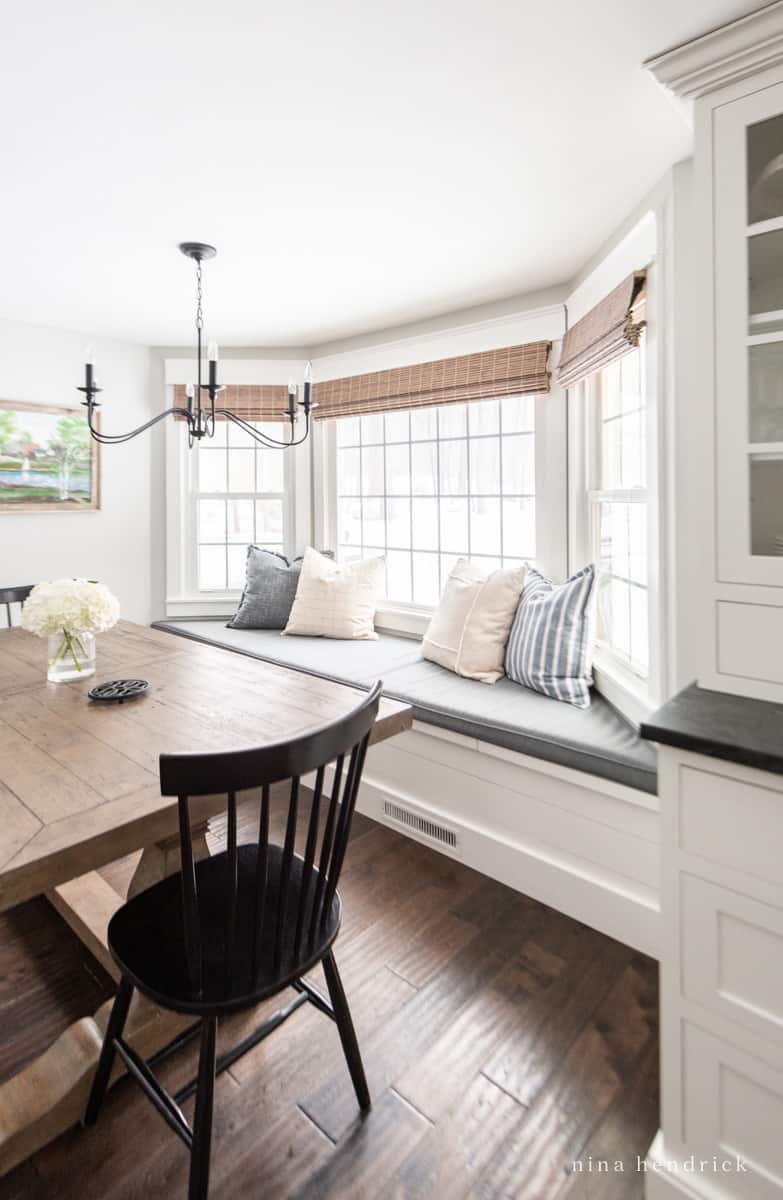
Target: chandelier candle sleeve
308	379
212	355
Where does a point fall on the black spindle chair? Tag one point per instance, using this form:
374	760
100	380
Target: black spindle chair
232	930
14	595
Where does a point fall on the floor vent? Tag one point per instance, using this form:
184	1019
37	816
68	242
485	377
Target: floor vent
422	825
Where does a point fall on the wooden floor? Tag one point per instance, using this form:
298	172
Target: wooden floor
502	1042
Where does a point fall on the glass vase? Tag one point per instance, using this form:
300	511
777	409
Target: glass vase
71	656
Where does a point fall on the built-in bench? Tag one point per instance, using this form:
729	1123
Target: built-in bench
597	740
558	801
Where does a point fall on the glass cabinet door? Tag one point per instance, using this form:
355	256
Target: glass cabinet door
748	206
764	175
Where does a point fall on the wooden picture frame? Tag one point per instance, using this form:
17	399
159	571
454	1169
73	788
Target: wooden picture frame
48	461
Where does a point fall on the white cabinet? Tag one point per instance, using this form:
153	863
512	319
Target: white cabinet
728	387
721	981
739	152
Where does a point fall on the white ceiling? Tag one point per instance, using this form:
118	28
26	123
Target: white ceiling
358	163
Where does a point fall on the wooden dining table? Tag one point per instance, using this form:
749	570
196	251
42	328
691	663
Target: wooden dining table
79	789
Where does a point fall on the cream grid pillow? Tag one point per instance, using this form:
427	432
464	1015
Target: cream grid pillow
470	627
335	600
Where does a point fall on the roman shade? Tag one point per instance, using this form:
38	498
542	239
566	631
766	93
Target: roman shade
606	333
512	371
251	401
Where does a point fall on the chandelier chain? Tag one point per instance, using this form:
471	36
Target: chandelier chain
199	297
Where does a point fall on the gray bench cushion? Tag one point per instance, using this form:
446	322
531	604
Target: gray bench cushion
359	662
596	740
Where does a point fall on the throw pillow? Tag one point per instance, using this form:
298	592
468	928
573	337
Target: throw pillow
336	600
270	587
550	647
469	628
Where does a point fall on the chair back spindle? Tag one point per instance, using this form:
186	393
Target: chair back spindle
191	926
278	902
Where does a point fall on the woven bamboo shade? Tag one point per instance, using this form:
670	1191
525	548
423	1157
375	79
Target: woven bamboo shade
251	401
513	371
607	332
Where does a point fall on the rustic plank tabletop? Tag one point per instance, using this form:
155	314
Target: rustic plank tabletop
78	780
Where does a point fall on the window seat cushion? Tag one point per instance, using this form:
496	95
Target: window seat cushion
344	660
597	739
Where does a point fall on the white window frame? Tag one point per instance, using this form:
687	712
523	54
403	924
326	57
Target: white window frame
632	694
183	596
550	494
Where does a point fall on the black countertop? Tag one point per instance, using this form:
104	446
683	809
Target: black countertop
735	728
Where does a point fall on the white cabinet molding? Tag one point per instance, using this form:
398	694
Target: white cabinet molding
727	55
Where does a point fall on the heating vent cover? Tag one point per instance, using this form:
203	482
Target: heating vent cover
413	820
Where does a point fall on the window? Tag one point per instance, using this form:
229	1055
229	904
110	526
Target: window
426	486
239	498
618	509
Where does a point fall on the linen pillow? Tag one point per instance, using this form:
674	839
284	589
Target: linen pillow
469	628
550	647
335	600
270	587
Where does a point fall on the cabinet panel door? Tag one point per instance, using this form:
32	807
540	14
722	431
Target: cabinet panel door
732	955
735	824
733	1113
748	203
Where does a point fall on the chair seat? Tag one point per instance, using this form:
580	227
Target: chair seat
146	936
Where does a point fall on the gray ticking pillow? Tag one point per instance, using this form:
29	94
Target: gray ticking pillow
550	647
270	587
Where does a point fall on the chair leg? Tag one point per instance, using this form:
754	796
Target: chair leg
347	1032
202	1123
114	1030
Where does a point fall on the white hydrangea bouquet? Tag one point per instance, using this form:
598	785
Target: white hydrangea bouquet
70	612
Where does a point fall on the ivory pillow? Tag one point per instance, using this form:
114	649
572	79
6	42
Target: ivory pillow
335	600
470	627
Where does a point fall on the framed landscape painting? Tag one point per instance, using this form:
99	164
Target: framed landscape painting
48	461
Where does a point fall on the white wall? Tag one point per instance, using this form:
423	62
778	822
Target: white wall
39	365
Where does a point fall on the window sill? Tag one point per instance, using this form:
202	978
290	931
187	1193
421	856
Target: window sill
627	692
408	621
203	604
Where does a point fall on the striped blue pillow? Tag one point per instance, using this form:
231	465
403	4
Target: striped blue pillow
550	647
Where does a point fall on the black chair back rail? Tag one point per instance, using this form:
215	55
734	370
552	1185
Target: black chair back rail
246	923
14	595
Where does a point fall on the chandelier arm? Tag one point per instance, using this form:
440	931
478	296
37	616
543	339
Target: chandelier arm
107	439
264	439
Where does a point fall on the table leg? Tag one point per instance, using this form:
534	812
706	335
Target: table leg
49	1095
162	859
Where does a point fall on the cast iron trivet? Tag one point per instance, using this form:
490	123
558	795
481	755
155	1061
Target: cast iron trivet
119	690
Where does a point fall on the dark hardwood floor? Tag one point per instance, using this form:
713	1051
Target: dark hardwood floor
502	1042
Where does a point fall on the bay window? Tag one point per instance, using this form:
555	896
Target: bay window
426	486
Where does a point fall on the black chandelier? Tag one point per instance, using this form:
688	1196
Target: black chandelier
201	416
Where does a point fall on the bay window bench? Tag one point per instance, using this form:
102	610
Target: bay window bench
558	802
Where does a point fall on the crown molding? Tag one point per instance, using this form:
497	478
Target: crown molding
727	55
